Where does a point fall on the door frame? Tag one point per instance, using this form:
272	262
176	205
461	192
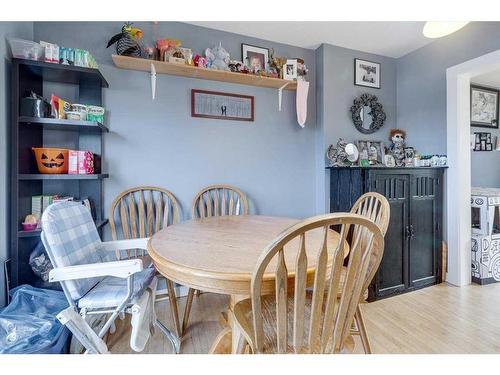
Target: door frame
458	184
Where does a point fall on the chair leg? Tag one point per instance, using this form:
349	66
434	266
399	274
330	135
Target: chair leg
173	306
175	341
187	309
358	316
198	293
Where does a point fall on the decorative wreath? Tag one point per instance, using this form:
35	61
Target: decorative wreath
376	111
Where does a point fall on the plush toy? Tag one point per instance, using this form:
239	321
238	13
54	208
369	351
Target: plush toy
128	41
397	148
199	61
217	58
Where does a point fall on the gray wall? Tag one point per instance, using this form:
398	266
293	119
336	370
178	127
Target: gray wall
336	92
421	83
157	142
7	30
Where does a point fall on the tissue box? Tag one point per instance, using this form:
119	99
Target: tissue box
81	162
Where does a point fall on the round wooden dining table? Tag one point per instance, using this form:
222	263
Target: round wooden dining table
219	254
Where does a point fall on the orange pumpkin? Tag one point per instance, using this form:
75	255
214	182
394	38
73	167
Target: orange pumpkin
51	160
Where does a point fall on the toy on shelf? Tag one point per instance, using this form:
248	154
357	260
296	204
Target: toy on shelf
128	41
397	147
217	58
485	244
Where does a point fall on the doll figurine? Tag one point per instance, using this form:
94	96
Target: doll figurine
397	148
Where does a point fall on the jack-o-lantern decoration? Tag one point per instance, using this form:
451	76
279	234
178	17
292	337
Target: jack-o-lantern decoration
51	160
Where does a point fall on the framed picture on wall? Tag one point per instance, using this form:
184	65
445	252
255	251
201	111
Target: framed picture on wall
255	58
221	105
366	73
483	107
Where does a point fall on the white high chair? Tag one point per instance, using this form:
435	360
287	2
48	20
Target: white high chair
95	285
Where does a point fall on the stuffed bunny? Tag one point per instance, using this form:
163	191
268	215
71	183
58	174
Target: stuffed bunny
217	58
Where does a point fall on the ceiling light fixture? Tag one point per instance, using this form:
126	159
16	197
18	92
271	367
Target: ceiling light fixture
434	29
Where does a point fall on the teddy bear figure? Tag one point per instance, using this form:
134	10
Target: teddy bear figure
397	148
217	58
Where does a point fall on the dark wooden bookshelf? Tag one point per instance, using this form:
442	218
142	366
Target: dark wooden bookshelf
27	132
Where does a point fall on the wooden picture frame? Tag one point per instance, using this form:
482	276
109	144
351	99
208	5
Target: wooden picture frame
481	113
218	105
372	77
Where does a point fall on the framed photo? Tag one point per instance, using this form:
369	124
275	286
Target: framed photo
370	153
221	105
290	70
366	73
255	58
483	142
483	107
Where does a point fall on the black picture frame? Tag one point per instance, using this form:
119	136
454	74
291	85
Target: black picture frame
479	124
356	82
243	58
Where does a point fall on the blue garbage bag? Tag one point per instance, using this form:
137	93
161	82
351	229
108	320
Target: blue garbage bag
29	324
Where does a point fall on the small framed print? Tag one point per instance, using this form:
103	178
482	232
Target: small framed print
255	58
366	73
483	142
290	70
484	107
221	105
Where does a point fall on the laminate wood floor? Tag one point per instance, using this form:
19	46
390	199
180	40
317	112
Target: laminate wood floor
438	319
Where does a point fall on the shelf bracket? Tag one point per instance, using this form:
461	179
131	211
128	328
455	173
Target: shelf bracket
280	94
153	81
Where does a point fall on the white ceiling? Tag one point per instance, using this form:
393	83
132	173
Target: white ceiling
392	39
488	79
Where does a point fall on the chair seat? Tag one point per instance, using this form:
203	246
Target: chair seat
243	316
111	291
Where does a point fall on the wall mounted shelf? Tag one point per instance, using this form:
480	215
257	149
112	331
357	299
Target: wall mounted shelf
71	125
134	63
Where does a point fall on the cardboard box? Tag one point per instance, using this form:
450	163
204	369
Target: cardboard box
81	162
72	162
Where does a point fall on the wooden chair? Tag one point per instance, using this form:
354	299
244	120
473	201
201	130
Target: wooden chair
140	212
215	200
298	319
375	207
219	200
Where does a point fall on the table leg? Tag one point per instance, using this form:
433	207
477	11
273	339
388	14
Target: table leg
230	339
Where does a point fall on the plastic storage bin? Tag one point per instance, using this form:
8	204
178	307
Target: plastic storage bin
29	324
26	49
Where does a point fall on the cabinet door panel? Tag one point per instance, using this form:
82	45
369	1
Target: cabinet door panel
423	252
392	274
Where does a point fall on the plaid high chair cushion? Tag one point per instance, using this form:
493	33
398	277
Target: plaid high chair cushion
111	291
72	240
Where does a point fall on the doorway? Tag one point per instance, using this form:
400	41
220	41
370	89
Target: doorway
458	185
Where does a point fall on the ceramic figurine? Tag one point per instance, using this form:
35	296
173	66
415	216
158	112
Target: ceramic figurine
397	148
217	58
337	156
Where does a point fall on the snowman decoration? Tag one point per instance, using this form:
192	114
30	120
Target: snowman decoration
397	148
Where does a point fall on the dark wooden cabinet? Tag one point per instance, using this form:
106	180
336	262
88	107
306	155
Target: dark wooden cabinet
413	241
